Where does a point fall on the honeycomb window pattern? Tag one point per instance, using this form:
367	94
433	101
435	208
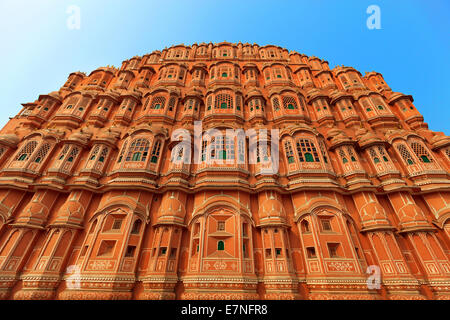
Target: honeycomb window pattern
421	152
404	153
40	155
138	150
26	151
307	151
289	103
158	102
224	101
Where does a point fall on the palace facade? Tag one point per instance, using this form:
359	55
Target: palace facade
93	205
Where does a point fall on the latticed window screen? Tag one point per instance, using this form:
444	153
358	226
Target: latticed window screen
351	154
138	150
40	155
158	102
262	151
103	155
379	103
172	102
343	156
212	145
221	148
146	103
241	148
156	151
204	147
181	74
367	106
353	78
289	103
229	148
171	73
209	102
447	152
323	149
277	73
224	101
162	74
188	104
307	151
63	152
73	154
225	72
238	102
2	150
122	152
276	104
302	103
177	153
81	106
289	152
374	155
383	154
26	151
421	152
94	152
288	72
404	153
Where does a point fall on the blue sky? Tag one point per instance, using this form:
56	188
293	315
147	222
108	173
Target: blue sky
412	49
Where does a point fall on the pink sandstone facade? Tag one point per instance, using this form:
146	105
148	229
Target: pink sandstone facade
92	207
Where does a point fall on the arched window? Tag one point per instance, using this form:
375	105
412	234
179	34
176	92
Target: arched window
421	152
323	149
305	226
172	102
63	152
73	154
404	153
158	103
26	151
382	153
276	104
136	156
138	150
309	157
220	245
204	147
94	153
103	154
307	151
136	227
289	153
262	151
42	153
155	152
238	102
224	101
289	103
343	156
241	149
209	102
350	153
